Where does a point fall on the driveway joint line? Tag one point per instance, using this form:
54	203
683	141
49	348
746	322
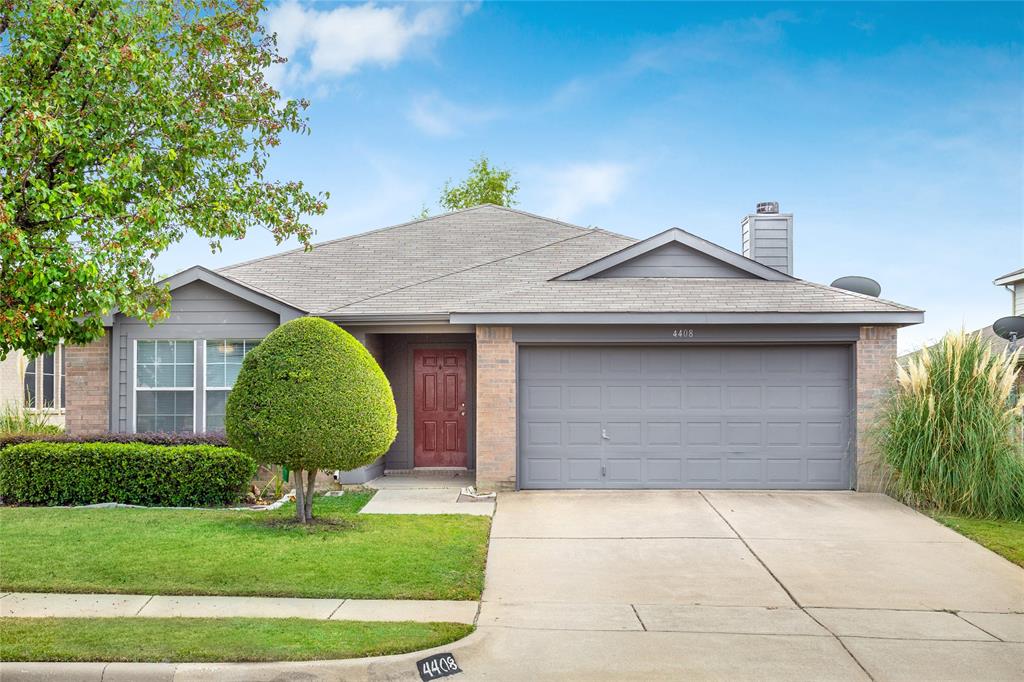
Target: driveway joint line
990	634
637	614
786	589
151	598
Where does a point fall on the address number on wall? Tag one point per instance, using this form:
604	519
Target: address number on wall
682	333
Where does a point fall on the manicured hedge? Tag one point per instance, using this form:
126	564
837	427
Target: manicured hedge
130	473
153	438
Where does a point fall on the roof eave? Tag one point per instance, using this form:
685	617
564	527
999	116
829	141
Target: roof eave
893	318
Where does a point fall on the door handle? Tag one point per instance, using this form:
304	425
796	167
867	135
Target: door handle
604	434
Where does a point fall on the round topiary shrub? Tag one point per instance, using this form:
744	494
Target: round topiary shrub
311	397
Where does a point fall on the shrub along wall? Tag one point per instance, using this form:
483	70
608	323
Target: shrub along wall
154	438
130	473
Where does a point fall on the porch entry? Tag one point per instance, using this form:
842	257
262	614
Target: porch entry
439	407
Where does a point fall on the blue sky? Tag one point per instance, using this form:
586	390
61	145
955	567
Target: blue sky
893	132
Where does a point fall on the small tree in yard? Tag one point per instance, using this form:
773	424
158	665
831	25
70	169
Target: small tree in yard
310	397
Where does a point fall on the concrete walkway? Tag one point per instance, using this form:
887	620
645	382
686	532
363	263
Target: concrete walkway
38	605
417	494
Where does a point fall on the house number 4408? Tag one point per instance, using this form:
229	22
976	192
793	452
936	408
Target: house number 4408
682	333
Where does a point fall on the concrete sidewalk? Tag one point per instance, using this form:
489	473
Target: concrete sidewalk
41	605
437	494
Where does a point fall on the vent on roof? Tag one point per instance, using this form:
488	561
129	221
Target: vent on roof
768	237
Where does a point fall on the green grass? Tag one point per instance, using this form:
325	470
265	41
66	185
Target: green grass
165	551
213	639
1002	537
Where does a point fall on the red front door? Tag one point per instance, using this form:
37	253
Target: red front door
439	408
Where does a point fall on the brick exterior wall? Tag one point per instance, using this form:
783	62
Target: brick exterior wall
87	399
495	408
876	372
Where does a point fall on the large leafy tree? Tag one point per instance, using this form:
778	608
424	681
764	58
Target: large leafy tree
485	184
125	126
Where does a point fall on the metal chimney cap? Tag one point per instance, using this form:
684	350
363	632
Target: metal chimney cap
768	207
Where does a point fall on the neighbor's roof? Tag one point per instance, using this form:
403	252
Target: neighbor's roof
490	259
1010	277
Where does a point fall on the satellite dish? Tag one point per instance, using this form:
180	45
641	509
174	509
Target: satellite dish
1010	328
859	285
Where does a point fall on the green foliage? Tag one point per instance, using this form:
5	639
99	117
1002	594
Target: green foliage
15	421
949	431
310	397
123	127
214	639
245	553
130	473
485	184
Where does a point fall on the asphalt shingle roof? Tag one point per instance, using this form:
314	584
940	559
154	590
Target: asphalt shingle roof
492	259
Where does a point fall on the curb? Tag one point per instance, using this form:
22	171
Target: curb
397	667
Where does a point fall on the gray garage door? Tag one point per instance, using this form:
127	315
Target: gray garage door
685	417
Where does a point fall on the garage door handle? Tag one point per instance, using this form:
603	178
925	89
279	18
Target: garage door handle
604	434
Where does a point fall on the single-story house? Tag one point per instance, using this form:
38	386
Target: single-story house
540	354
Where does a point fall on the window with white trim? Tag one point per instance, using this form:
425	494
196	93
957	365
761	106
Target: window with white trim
44	381
165	385
223	362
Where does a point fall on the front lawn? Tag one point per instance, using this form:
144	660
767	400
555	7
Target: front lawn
213	639
165	551
1002	537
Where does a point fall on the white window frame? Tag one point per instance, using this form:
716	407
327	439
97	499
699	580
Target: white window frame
37	363
206	387
135	381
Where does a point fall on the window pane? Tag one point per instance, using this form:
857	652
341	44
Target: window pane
145	402
30	383
232	374
216	404
185	351
147	351
48	380
184	375
214	375
145	375
165	376
214	351
144	423
234	351
165	351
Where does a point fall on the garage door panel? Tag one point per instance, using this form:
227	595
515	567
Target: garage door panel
728	417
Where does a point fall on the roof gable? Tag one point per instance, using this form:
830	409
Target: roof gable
675	253
229	285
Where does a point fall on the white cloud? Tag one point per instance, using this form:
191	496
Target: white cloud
334	43
438	116
574	187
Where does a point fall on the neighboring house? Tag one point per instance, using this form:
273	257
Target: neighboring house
541	354
34	384
1014	282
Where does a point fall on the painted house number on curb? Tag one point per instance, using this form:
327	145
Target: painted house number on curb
682	333
437	666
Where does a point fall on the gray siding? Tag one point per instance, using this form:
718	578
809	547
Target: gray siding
398	367
199	311
768	239
1018	299
674	260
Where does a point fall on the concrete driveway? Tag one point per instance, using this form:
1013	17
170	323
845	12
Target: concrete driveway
722	585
